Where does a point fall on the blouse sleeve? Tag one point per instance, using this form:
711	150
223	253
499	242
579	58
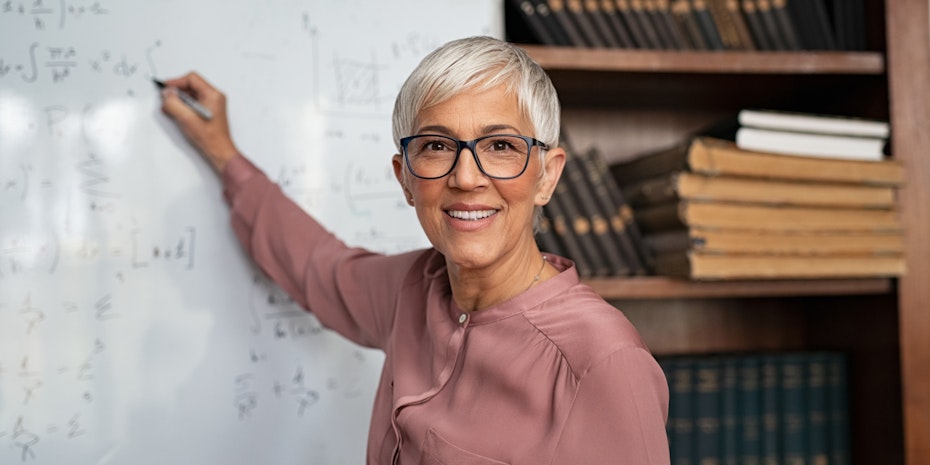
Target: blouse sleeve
619	413
348	289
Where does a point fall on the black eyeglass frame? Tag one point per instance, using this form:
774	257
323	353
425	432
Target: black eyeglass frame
472	145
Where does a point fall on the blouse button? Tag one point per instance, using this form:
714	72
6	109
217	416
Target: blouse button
463	318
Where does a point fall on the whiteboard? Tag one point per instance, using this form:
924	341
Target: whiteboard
133	329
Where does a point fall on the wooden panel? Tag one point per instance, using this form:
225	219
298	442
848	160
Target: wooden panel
659	287
909	89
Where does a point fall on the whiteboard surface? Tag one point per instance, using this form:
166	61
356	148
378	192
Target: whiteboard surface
133	330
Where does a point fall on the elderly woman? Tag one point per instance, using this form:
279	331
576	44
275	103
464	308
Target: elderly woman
494	352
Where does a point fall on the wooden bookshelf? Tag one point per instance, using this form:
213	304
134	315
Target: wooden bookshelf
629	101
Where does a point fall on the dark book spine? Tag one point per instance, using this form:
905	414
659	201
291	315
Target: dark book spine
538	28
741	25
750	411
839	410
545	15
772	27
632	24
681	10
546	238
708	27
581	190
616	23
638	12
707	423
793	409
592	8
756	27
626	231
794	19
581	227
567	24
680	425
822	24
770	387
567	239
585	26
677	36
729	411
818	444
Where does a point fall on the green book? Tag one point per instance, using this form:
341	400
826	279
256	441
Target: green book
707	421
839	410
818	441
793	408
680	425
770	389
729	410
750	403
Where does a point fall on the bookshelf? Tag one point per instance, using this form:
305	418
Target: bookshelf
626	102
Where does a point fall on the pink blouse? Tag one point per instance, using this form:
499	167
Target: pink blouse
555	375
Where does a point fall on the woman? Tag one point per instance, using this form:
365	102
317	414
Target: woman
494	352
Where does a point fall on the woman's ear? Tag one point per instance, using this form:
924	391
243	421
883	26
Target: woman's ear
398	162
553	164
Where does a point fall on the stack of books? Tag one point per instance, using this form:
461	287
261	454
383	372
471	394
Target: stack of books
708	209
589	221
693	24
758	408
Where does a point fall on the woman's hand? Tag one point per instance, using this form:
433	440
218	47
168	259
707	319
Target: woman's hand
210	137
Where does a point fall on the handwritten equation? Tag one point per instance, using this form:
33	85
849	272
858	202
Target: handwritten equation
58	63
45	14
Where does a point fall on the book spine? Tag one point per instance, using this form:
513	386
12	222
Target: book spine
616	23
681	11
794	22
708	26
750	411
592	8
770	387
707	423
622	219
581	228
729	411
585	25
739	23
581	191
551	23
838	408
567	238
563	16
756	26
793	409
680	423
638	11
546	238
539	29
818	429
632	24
677	35
772	27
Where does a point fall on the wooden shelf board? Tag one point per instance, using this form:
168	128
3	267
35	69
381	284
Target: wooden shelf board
651	61
659	287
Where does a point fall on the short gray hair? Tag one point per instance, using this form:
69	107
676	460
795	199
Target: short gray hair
478	63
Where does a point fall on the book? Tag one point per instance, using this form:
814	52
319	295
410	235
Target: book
735	242
773	27
750	402
728	26
751	217
794	408
563	16
681	409
708	27
793	28
813	123
664	19
545	15
546	238
700	187
755	25
838	408
718	157
810	144
569	243
582	196
705	266
622	221
581	228
740	23
652	33
586	26
625	11
707	409
614	20
540	30
770	406
818	442
681	11
730	410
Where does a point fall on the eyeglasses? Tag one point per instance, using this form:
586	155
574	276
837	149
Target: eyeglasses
499	156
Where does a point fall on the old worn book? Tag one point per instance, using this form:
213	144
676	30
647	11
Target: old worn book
737	242
718	157
813	122
811	144
707	266
749	217
697	186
